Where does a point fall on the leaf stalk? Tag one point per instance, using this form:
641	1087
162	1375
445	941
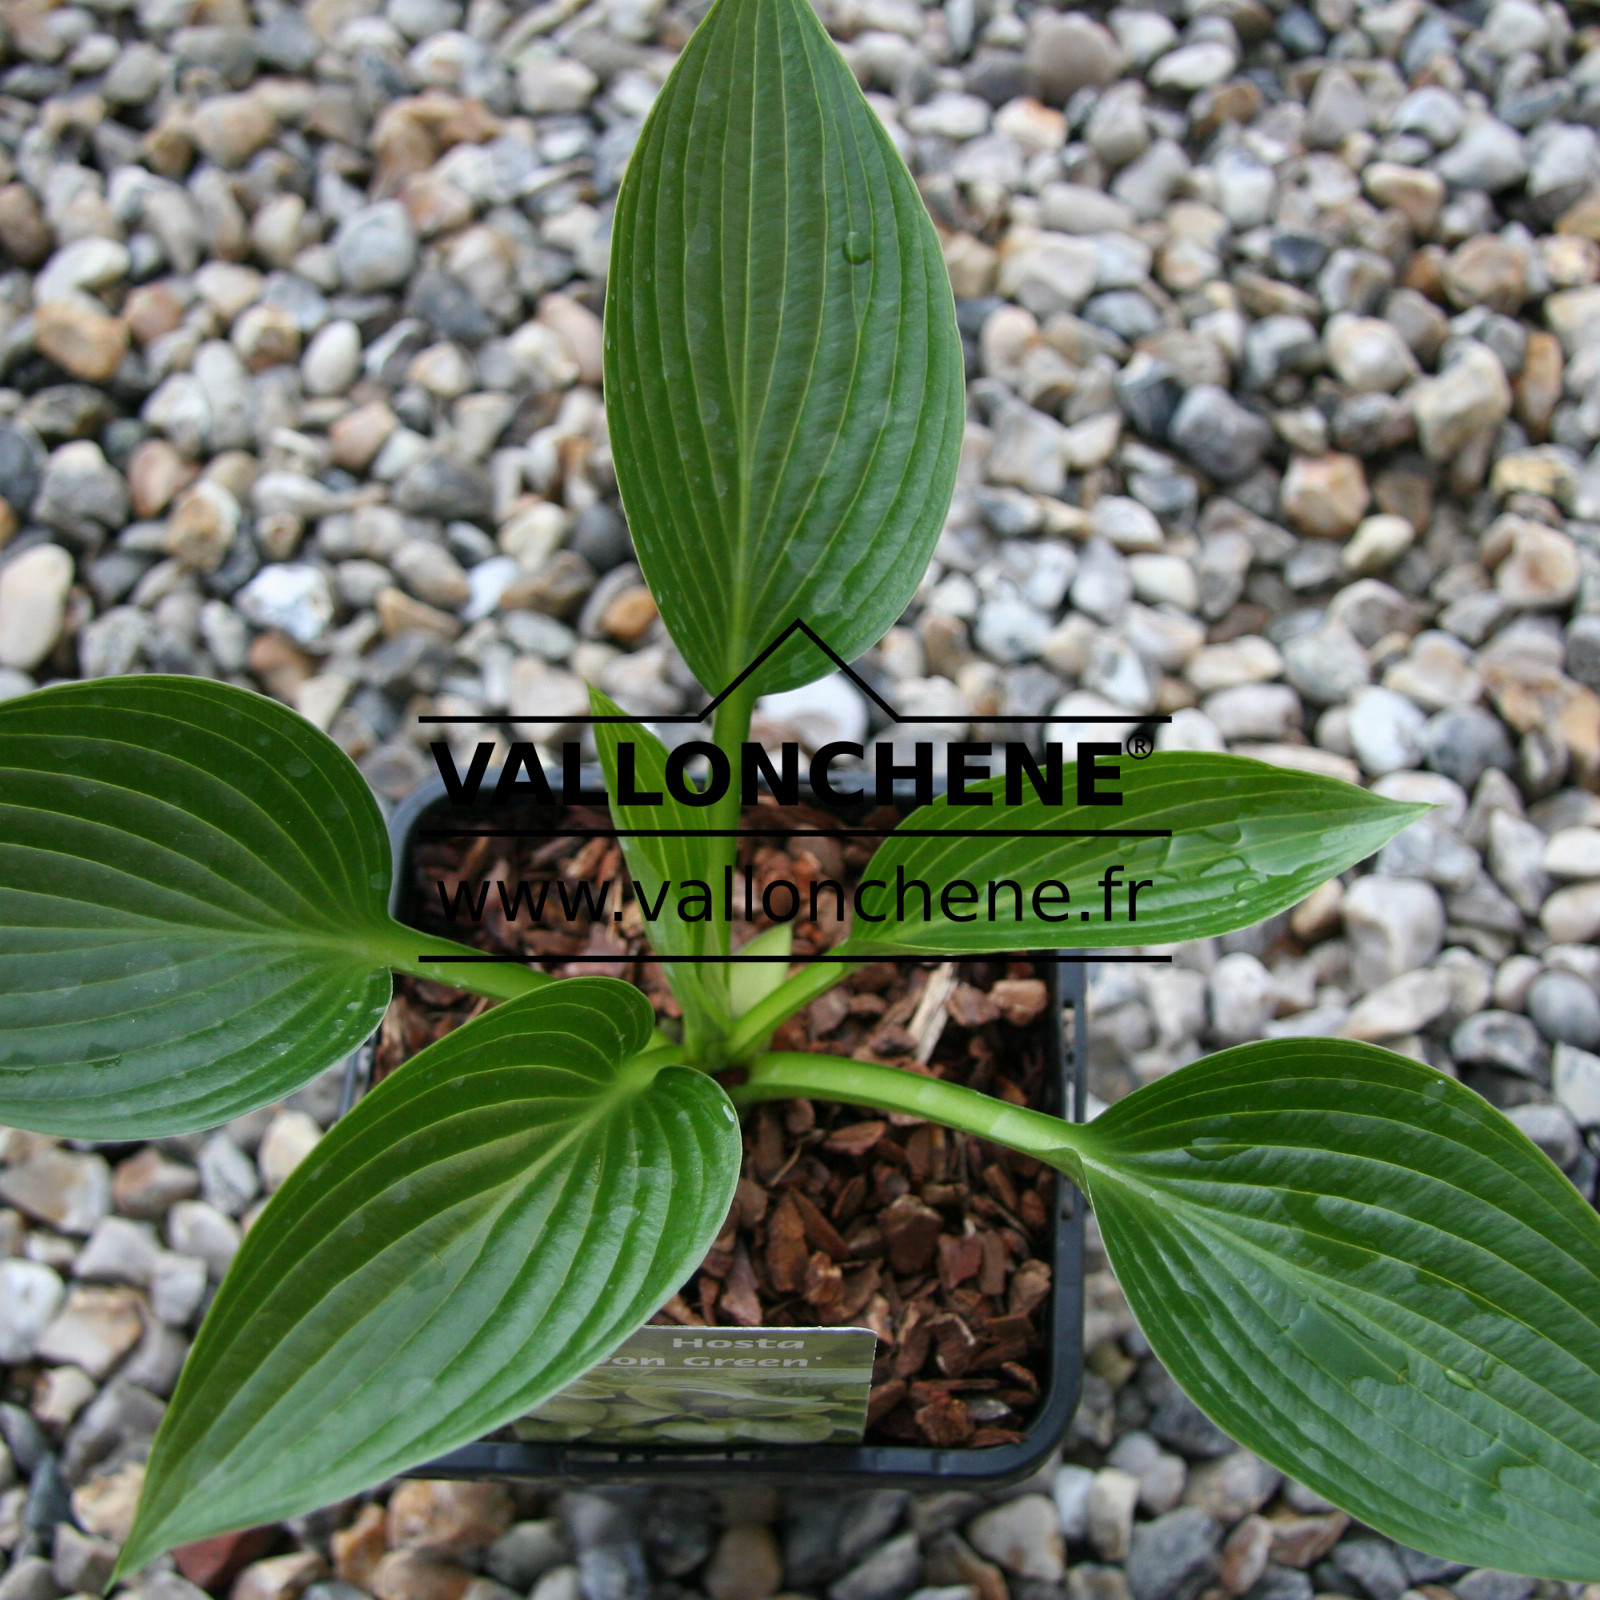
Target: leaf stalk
786	1075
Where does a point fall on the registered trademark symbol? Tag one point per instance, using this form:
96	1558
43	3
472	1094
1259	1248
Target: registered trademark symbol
1141	743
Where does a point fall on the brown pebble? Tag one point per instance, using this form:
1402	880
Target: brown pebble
444	1516
1538	386
24	232
152	310
87	343
410	1575
1244	1555
156	472
280	664
1487	271
147	1184
282	1577
358	1549
360	434
746	1565
1303	1541
211	1563
628	618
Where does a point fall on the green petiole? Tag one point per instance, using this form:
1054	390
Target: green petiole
787	1075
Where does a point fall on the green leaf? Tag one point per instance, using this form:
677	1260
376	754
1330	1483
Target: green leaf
663	870
657	862
486	1225
193	889
1368	1276
783	373
751	982
1248	840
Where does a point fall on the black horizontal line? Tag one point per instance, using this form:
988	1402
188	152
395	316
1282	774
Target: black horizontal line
791	960
791	833
693	717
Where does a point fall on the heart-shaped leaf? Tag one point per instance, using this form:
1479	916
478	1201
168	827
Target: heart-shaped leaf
193	888
783	370
1246	841
481	1229
1368	1276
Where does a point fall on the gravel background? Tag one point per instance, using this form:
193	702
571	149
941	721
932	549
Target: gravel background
1283	337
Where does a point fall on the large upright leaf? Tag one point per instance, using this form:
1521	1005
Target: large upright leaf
667	853
783	372
1368	1276
1246	841
193	887
482	1228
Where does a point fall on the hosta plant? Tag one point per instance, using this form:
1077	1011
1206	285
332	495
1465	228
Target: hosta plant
1356	1266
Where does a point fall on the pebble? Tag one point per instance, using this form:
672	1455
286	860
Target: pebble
332	361
1572	915
1575	1080
1501	1039
1542	569
1368	354
1394	925
1233	1486
375	247
294	598
1112	1499
148	1183
81	339
1023	1536
445	1517
745	1565
30	1295
1402	1006
1469	397
289	1138
889	1573
1325	496
1217	434
1384	730
68	1190
94	1329
525	1552
33	596
1171	1557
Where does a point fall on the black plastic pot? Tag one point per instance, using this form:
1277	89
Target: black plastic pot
811	1465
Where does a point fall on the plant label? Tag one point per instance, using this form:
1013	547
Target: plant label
718	1386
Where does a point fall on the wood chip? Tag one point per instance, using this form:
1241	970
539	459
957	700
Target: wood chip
787	1254
884	1398
928	1020
1029	1285
824	1284
820	1233
945	1421
856	1138
954	1345
740	1299
911	1231
1020	999
959	1259
971	1007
